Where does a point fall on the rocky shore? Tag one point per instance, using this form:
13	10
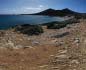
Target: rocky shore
54	49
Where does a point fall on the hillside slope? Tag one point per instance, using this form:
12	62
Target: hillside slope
61	13
52	50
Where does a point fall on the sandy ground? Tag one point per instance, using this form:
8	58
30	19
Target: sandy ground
52	50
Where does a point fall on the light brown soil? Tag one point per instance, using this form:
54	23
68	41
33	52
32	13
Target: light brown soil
20	52
25	59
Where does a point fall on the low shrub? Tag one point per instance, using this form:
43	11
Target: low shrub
29	29
58	25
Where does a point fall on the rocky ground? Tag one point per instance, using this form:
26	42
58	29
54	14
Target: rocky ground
55	49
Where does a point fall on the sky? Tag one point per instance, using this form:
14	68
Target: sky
34	6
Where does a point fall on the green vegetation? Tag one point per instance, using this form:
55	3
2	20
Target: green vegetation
80	16
37	29
58	25
29	29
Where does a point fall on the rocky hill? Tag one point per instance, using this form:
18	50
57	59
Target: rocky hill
55	49
53	12
63	12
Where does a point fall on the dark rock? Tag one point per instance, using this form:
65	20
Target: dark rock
62	35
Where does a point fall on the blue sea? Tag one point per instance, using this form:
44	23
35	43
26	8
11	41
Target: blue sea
7	21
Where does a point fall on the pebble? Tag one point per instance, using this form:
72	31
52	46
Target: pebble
75	61
57	68
51	55
62	51
35	42
18	46
77	40
43	66
28	47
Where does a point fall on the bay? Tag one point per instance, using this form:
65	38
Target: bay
7	21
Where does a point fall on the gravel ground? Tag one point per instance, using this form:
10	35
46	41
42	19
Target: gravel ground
52	50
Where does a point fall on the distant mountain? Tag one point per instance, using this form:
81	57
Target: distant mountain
52	12
63	12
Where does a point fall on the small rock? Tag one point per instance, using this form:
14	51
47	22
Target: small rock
77	40
62	51
28	47
35	42
51	55
75	61
18	46
43	66
10	43
61	56
84	60
57	68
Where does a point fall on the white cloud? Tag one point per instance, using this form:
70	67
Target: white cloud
33	9
41	6
25	10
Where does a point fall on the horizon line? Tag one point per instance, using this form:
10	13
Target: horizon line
40	11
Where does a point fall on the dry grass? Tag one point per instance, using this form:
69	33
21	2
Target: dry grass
65	53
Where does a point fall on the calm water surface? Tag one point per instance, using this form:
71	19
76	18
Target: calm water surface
7	21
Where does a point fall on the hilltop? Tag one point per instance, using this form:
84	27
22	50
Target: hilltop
54	49
61	13
53	12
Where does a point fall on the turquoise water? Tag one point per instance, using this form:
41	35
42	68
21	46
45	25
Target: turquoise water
7	21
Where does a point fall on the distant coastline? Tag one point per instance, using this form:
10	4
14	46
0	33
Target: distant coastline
53	12
60	13
7	20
